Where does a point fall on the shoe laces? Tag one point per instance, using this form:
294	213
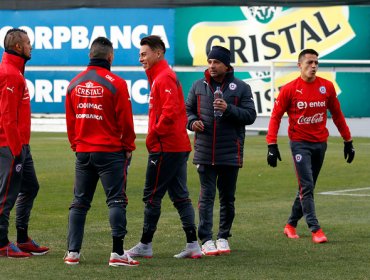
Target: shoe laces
129	259
34	243
75	254
13	247
223	243
210	245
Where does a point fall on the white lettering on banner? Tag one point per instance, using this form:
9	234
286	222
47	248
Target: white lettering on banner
135	91
89	106
89	116
317	118
42	90
80	37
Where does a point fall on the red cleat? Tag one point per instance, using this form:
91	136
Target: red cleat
33	248
12	251
290	231
319	237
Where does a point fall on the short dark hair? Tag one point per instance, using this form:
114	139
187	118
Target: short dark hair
154	42
307	51
13	37
100	48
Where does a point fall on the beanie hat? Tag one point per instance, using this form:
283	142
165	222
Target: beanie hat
220	53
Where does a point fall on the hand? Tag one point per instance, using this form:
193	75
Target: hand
197	126
273	154
219	104
349	151
128	154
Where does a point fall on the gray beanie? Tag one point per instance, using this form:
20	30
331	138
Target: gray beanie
220	53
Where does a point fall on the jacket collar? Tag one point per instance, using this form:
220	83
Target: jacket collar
156	69
15	60
228	77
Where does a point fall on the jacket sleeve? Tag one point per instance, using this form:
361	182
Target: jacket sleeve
337	114
280	107
125	118
70	120
245	112
191	107
169	100
11	97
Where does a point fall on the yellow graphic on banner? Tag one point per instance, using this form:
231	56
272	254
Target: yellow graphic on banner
324	29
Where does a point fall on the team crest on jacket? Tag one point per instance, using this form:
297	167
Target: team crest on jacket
18	167
232	86
89	90
298	157
322	89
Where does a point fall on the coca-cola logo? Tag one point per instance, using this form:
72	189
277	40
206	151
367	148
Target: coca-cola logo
317	118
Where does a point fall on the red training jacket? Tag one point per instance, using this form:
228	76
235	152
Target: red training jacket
307	105
167	116
98	112
15	107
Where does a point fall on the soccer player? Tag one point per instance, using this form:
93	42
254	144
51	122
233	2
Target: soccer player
101	131
169	146
18	181
306	100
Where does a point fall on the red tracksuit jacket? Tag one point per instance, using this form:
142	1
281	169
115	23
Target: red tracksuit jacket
167	115
99	113
307	105
15	107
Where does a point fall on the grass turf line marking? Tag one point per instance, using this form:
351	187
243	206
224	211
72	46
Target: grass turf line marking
346	192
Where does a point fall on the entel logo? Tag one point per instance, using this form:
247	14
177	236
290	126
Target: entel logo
314	104
301	105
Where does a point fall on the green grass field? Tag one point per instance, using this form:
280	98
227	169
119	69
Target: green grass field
259	248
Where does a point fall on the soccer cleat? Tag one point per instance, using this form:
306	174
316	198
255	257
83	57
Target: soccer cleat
319	237
209	248
12	251
222	246
119	260
141	250
191	251
33	248
290	231
72	258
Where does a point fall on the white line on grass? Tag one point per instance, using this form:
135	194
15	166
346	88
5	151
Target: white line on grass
346	192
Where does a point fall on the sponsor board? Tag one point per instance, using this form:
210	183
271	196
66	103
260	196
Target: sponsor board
258	35
48	90
63	37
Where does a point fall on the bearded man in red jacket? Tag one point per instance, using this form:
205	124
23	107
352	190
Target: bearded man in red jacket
169	146
306	101
18	181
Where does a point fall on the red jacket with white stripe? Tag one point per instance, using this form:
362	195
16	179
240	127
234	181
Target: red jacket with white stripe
15	107
167	116
98	112
306	105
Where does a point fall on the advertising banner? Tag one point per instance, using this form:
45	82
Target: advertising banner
63	37
48	90
258	35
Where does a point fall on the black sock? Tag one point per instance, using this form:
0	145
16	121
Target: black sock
22	234
191	234
4	242
118	245
147	237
